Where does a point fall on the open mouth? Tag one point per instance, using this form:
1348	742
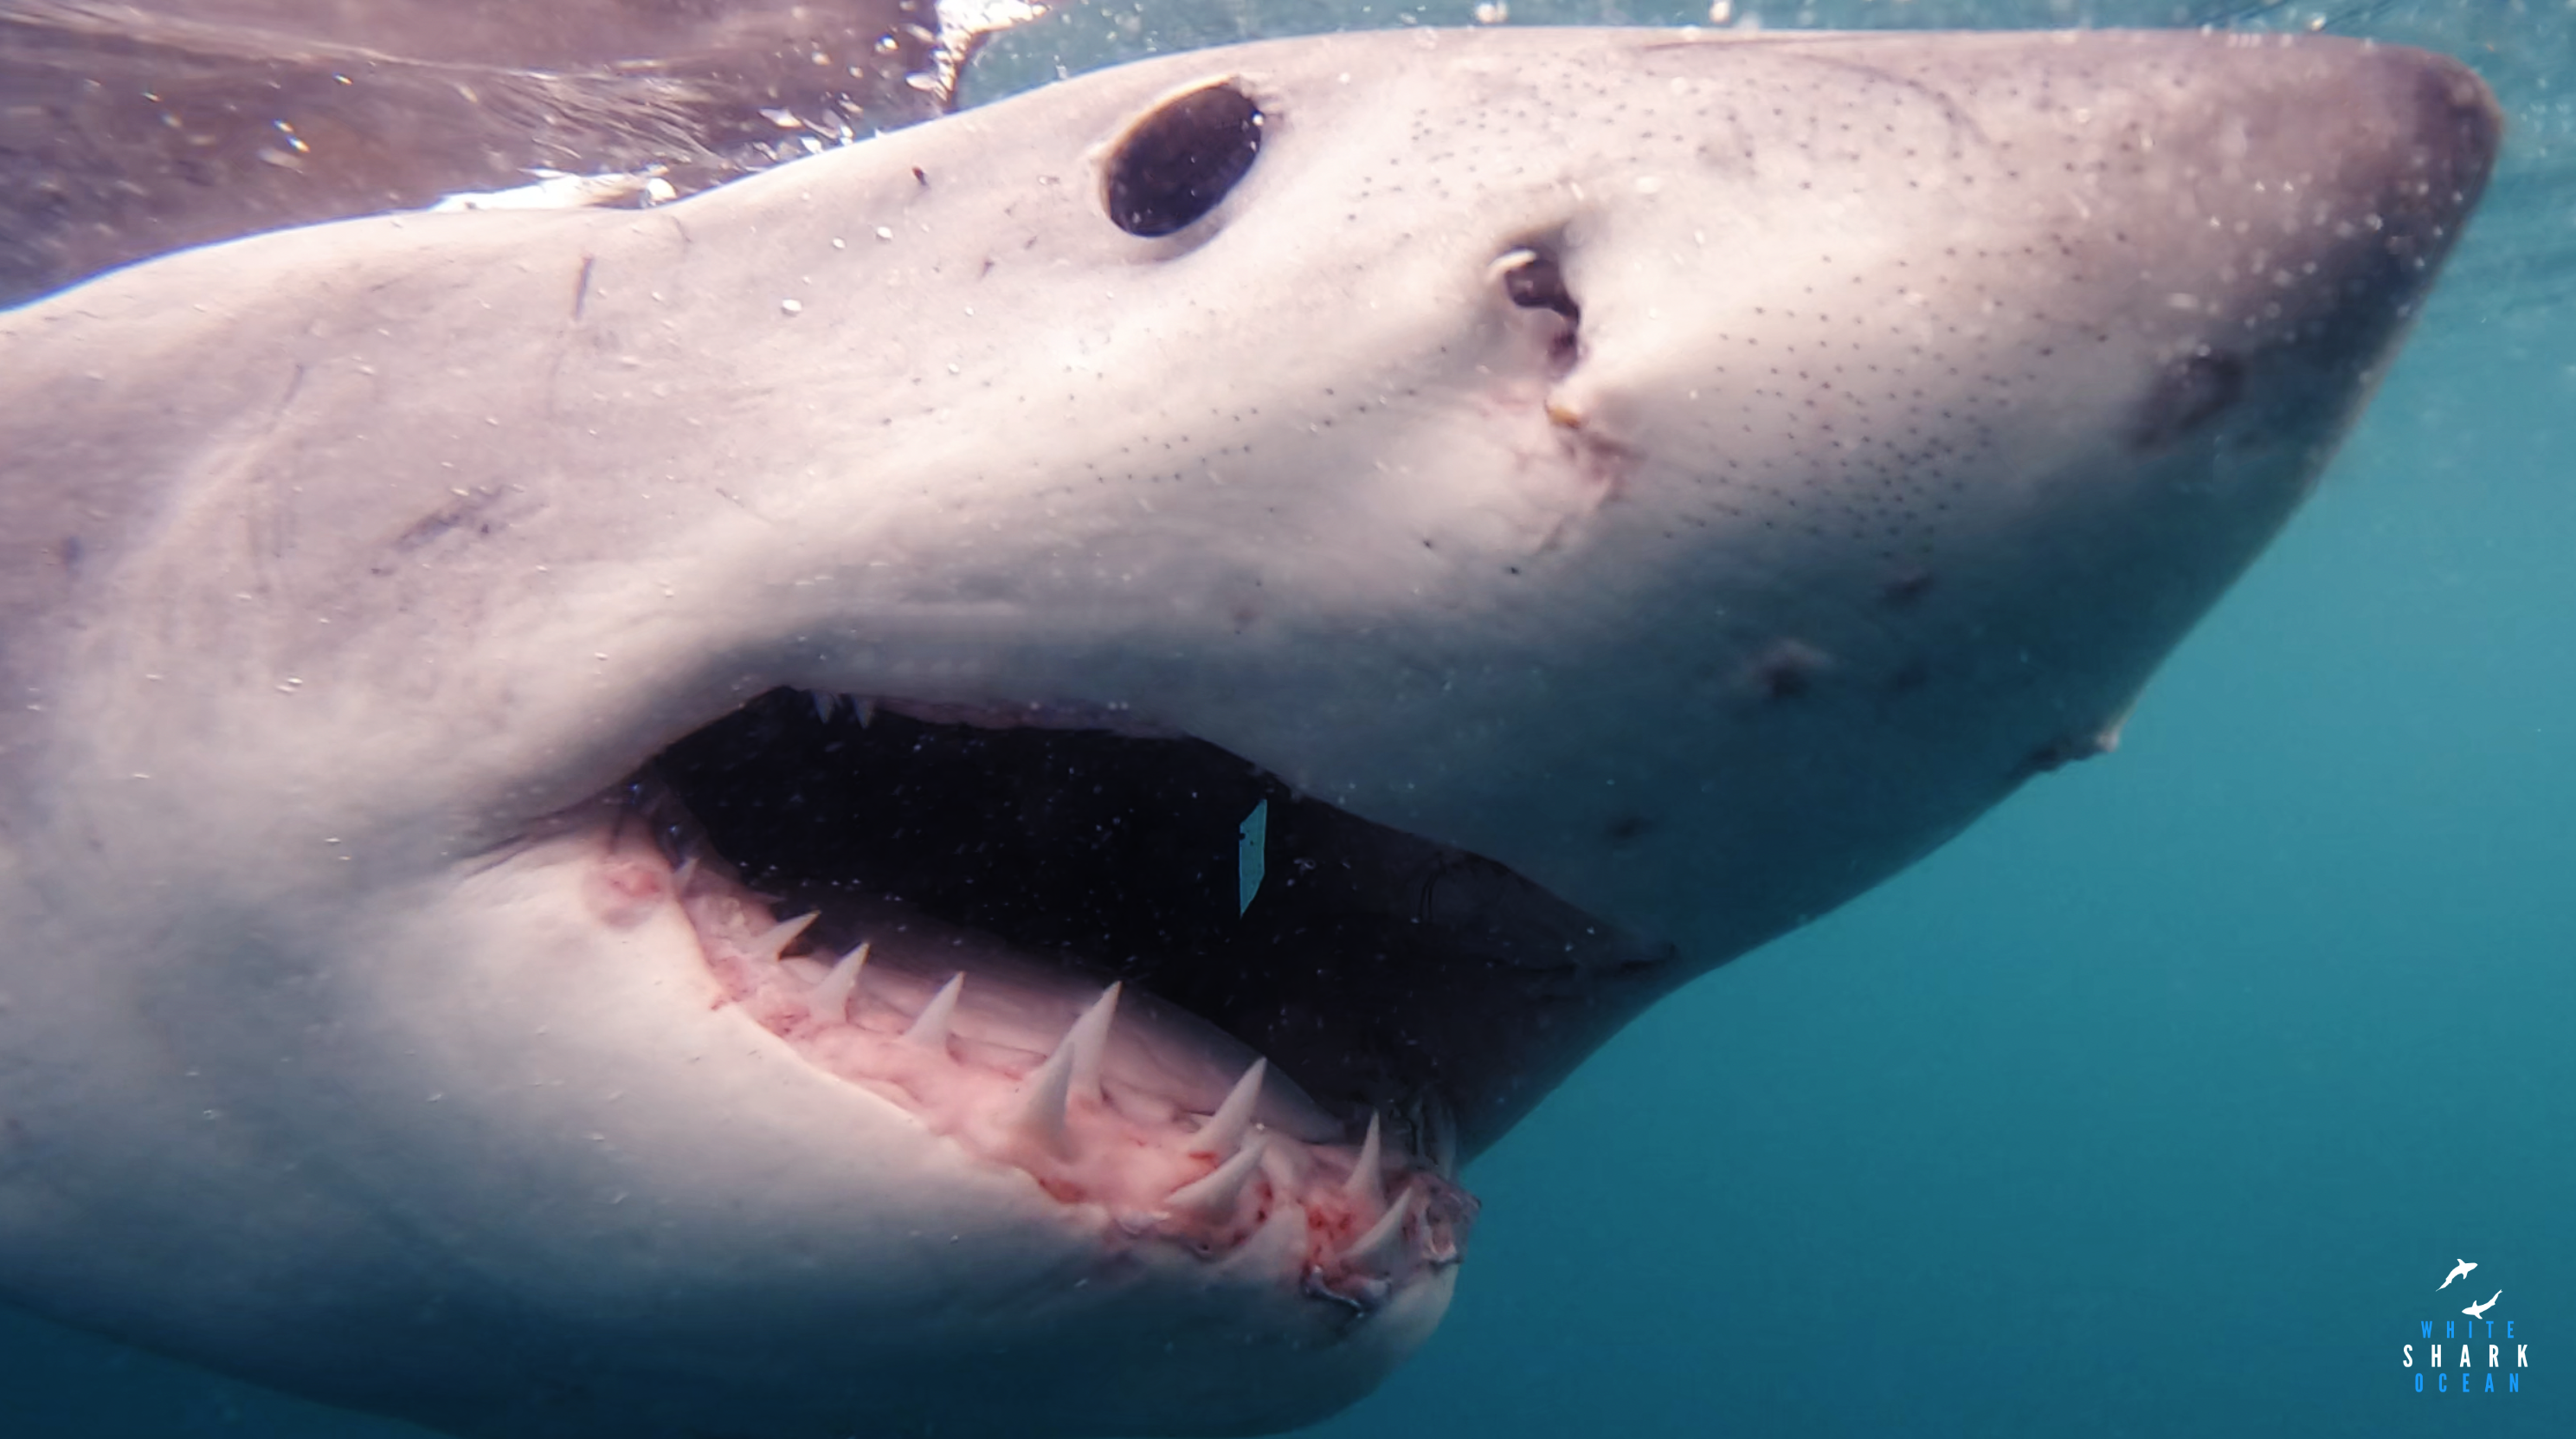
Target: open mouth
1056	947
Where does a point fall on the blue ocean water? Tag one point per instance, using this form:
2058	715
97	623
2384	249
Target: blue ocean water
2160	1102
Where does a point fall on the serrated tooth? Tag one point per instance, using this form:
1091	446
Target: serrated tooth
1365	1186
867	711
1048	1095
1211	1196
775	940
930	1027
1073	1069
830	995
1376	1250
1089	1042
822	705
682	877
1225	1128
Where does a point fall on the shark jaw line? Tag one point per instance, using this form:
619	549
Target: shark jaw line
974	959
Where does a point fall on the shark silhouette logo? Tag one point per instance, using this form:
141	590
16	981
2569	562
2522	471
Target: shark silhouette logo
2481	1355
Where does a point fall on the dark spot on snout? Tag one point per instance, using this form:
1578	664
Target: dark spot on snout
2189	394
1180	159
1626	827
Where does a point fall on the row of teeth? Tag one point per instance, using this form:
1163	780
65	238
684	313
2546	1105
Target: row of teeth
826	705
1040	1135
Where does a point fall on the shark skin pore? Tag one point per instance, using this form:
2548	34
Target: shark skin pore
1695	475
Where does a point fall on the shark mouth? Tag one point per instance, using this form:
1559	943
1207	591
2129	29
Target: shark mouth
1052	944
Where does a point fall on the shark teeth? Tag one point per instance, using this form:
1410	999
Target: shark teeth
773	943
1072	1071
1365	1187
1089	1042
1211	1197
1045	1100
1090	1125
1225	1128
831	995
1382	1247
930	1028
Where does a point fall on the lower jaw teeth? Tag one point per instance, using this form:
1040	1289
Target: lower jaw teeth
1207	1177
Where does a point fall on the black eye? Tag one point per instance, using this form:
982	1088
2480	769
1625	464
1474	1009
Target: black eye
1175	164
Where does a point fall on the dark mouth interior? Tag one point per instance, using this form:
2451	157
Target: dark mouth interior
1384	972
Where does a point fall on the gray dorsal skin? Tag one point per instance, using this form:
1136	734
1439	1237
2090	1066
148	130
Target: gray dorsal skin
1698	474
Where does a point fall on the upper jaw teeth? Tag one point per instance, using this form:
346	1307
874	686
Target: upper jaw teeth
1157	1166
1031	714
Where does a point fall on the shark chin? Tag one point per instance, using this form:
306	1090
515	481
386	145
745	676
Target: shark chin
644	821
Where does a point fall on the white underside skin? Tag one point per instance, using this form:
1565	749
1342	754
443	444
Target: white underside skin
1924	391
936	1254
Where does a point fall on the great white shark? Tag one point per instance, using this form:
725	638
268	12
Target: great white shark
628	822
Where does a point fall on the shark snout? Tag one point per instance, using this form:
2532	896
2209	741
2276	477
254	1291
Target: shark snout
2326	201
2457	125
2375	174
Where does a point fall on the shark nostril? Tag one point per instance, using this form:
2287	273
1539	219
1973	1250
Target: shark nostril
2187	395
1534	281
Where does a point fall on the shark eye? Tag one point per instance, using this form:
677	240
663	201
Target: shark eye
1178	161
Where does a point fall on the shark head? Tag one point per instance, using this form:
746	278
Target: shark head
645	820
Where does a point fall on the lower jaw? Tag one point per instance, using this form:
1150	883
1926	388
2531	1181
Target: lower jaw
1163	1129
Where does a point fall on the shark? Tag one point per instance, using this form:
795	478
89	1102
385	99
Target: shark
645	821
